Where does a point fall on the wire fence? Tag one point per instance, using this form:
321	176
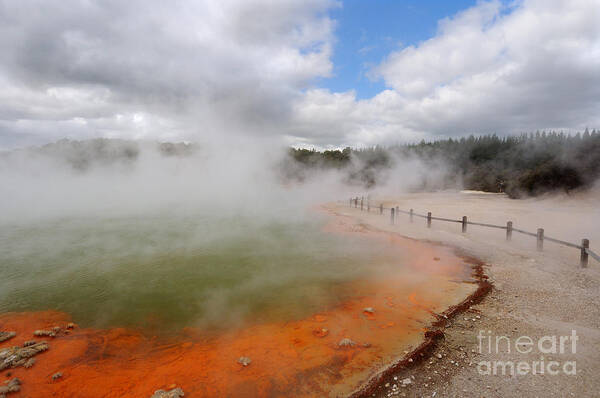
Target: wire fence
584	247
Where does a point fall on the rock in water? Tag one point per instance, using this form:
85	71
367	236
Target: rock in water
174	393
18	356
6	336
322	332
346	343
10	386
45	333
369	310
244	361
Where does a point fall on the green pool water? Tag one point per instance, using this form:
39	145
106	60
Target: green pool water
167	271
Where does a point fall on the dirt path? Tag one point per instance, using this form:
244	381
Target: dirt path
541	296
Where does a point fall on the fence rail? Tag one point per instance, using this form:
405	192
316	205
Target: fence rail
594	255
524	232
584	248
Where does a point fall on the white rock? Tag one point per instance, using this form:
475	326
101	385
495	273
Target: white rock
244	361
346	343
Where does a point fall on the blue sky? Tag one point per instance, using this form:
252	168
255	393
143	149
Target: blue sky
368	30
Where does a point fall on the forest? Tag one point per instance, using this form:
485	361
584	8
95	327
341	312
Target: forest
525	165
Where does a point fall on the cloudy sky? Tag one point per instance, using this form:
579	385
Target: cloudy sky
319	73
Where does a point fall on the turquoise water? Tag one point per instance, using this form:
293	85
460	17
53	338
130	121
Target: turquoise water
169	271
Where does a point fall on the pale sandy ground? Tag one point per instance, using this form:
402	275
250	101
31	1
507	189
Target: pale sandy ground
535	294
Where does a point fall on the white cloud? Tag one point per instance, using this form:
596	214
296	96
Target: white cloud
488	69
199	70
200	67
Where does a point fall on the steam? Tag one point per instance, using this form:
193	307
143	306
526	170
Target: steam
116	178
411	173
112	220
118	232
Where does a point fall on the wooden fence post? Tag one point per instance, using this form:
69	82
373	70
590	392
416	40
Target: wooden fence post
585	244
428	219
464	224
411	215
392	216
540	239
381	208
508	230
356	202
361	203
368	205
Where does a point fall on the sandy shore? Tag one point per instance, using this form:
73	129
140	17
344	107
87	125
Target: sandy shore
538	295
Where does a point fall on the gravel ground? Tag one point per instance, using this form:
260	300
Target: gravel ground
537	295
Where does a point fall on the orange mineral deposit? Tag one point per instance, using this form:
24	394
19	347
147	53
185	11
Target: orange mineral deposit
296	358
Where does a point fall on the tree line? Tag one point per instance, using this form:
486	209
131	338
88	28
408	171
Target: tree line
527	164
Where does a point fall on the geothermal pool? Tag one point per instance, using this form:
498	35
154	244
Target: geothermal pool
174	299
